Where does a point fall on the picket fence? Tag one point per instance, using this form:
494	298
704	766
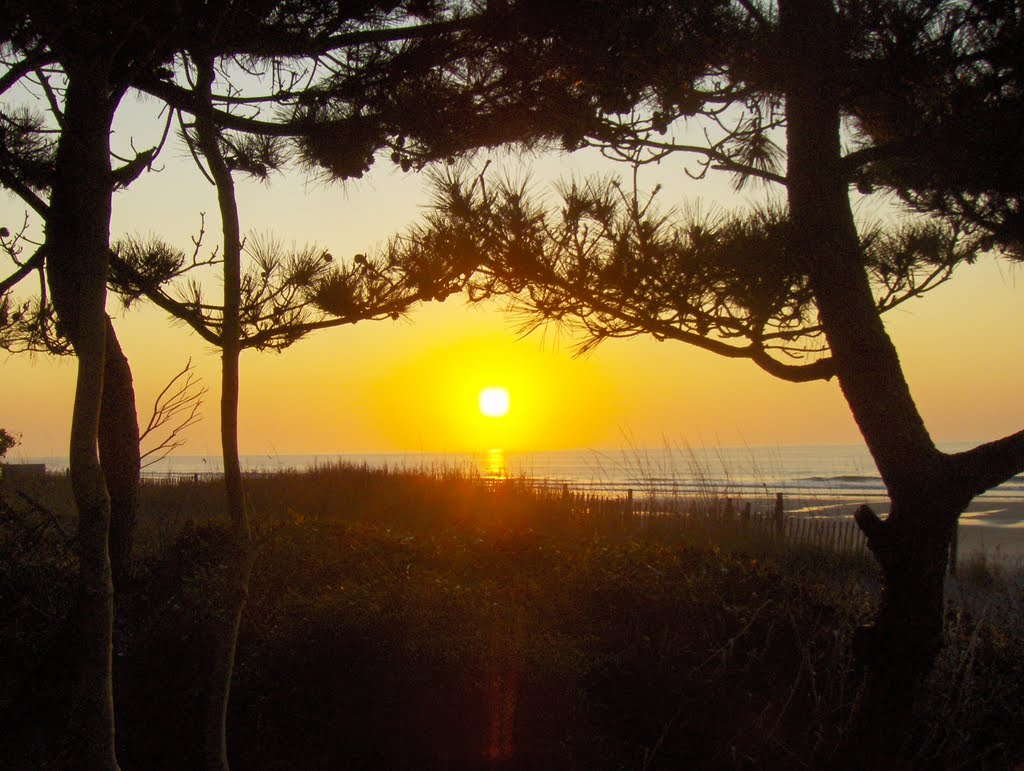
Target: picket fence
764	519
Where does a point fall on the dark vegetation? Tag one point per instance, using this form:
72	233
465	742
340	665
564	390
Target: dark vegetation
435	621
920	98
809	98
7	441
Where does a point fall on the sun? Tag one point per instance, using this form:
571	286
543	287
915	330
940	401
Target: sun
494	402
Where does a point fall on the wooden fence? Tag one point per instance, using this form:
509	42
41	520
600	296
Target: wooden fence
762	520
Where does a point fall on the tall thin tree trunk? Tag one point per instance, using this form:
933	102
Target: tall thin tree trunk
119	454
226	636
78	232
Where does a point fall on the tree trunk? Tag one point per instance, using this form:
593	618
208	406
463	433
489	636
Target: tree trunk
240	563
242	556
911	545
78	232
226	623
119	454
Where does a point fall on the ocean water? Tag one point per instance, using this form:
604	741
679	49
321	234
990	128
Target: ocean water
835	472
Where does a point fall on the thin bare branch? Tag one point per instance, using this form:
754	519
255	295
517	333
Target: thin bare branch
51	97
176	406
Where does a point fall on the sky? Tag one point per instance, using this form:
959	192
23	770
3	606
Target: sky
412	385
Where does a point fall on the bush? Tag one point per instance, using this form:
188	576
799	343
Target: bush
410	621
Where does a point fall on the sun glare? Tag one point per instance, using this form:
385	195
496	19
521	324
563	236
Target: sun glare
494	402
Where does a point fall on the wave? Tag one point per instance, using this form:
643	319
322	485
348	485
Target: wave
820	471
854	478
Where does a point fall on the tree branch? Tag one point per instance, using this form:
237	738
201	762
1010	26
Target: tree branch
265	338
31	264
991	464
822	369
178	310
24	192
34	59
51	98
182	396
186	101
304	46
723	161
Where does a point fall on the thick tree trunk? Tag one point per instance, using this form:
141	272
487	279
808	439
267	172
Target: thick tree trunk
242	557
77	233
899	648
912	544
928	490
119	454
825	237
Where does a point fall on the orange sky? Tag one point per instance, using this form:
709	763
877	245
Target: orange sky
412	385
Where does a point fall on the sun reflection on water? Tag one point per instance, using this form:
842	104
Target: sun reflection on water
493	464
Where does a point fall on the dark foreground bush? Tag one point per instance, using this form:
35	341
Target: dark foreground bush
382	642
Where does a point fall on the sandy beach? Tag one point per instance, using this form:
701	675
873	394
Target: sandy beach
992	525
996	544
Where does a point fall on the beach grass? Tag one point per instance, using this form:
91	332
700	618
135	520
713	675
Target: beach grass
431	621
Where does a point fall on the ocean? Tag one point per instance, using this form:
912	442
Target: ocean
834	472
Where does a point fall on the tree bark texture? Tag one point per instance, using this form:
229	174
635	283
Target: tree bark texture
242	556
78	233
912	544
119	454
928	489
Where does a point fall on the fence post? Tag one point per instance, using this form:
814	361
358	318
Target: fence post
779	515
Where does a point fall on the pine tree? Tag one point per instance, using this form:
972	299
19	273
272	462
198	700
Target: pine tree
777	90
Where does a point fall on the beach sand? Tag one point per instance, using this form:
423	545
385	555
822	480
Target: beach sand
991	526
1003	543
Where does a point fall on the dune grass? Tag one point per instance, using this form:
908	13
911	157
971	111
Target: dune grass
432	621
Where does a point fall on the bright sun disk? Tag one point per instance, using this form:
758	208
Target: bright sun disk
494	402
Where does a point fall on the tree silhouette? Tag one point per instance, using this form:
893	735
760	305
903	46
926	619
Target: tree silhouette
948	140
278	298
333	77
425	80
175	410
27	162
800	292
609	261
86	44
331	86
